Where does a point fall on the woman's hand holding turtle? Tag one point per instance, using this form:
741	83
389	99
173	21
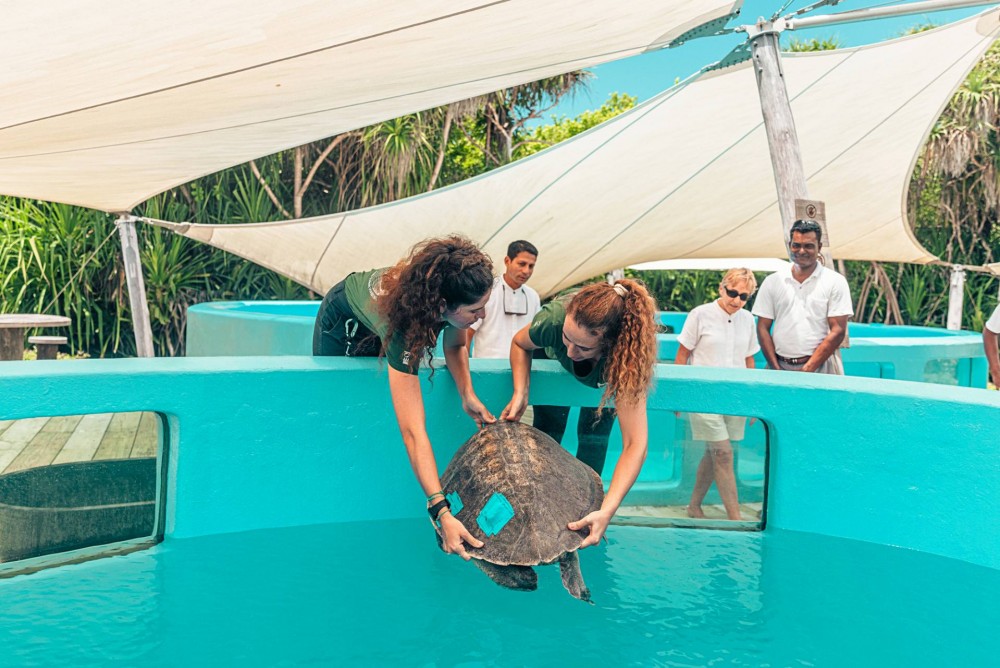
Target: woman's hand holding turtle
597	521
515	408
454	535
477	411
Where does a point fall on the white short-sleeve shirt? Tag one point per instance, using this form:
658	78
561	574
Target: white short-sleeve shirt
800	310
716	338
497	329
993	324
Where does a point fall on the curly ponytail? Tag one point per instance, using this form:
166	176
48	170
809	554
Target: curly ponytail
625	316
449	271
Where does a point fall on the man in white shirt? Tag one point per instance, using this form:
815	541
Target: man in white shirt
802	312
511	306
991	332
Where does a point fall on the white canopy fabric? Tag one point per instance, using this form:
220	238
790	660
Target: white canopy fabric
109	102
685	175
768	264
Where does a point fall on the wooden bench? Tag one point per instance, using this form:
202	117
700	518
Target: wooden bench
47	346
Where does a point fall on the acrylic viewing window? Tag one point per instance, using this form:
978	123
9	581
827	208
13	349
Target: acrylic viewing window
75	487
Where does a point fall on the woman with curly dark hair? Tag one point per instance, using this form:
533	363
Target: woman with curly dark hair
605	336
399	312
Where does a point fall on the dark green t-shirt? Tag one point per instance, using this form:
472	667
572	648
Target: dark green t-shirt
362	290
546	332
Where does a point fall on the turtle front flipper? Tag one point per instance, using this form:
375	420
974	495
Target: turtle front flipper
512	577
572	578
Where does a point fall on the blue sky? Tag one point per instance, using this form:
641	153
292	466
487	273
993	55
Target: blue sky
648	74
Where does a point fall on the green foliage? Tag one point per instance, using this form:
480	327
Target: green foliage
922	27
915	295
65	260
42	251
954	197
814	44
679	290
683	290
463	161
562	128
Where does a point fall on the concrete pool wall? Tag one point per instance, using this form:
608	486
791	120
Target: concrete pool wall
258	442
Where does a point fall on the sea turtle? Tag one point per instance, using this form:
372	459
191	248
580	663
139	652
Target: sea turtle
516	489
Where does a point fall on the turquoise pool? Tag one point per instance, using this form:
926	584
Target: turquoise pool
381	594
294	532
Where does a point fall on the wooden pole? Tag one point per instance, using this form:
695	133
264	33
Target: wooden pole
779	125
136	285
782	139
956	297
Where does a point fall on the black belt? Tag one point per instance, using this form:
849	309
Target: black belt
794	360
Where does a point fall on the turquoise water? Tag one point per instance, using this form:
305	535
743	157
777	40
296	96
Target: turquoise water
382	594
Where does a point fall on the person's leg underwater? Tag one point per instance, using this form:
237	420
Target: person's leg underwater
725	476
593	431
551	420
702	482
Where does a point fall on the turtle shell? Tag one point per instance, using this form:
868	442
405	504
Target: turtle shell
516	489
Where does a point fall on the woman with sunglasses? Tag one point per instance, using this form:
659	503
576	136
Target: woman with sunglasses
399	312
605	336
720	334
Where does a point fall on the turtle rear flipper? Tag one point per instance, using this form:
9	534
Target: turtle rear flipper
572	578
512	577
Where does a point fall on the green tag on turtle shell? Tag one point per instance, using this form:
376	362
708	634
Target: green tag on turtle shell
495	514
456	502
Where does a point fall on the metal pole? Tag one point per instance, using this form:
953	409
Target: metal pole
870	13
956	295
136	285
779	125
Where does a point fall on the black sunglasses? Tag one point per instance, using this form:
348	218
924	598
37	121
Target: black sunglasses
742	295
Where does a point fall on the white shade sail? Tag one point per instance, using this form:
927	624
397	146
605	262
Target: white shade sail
109	102
685	175
768	264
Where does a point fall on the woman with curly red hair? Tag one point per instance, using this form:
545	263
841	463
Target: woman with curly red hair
605	336
441	288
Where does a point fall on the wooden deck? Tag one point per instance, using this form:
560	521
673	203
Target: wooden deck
36	442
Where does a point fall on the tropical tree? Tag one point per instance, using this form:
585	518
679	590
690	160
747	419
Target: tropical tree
499	128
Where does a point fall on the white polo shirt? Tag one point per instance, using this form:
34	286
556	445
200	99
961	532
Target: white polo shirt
716	338
993	324
495	331
800	310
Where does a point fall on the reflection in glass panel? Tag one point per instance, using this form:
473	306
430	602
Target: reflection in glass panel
77	481
942	371
692	470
